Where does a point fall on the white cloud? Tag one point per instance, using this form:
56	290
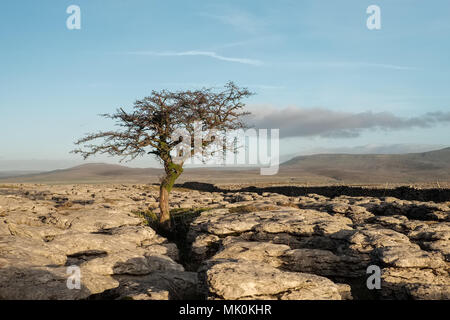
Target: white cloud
210	54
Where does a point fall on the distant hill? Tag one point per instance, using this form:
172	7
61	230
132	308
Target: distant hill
89	173
111	173
423	167
7	174
375	168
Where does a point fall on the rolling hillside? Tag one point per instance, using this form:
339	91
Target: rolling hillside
424	167
375	168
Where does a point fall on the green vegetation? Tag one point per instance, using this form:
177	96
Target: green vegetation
181	218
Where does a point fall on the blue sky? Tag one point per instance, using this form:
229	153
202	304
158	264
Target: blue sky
306	54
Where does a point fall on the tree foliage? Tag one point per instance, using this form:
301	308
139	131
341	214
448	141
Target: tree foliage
150	128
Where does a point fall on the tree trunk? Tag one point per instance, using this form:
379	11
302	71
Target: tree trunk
173	171
164	214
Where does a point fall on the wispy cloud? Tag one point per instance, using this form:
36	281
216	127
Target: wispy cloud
384	66
237	19
257	41
355	64
210	54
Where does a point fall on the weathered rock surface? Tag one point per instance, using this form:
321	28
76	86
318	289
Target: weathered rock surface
245	246
43	233
251	280
335	238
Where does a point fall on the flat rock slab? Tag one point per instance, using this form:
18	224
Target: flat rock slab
250	280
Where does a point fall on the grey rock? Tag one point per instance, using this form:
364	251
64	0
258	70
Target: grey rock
252	280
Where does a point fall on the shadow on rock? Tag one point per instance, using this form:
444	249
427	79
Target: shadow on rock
38	283
164	283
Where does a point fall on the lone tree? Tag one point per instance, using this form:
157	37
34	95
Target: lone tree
151	128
